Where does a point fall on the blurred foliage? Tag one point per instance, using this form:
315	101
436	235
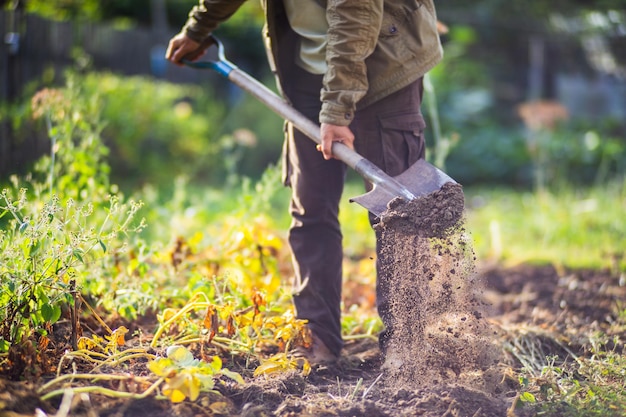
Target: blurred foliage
65	9
567	226
492	144
137	11
157	131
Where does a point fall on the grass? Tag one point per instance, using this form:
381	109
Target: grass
572	227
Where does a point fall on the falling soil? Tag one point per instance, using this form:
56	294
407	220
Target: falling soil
436	327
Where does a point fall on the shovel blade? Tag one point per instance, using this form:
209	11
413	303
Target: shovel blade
422	178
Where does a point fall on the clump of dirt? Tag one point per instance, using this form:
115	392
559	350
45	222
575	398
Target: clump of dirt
432	215
436	331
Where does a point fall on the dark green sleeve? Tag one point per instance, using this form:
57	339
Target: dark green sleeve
207	15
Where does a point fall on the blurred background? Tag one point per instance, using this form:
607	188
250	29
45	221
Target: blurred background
529	93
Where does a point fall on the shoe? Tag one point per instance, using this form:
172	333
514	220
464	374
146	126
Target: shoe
317	353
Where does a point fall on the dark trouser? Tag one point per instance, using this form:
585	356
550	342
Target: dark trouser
389	134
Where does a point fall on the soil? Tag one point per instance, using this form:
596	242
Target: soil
446	356
436	333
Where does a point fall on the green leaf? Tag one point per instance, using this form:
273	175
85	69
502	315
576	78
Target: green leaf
4	345
41	295
34	248
527	397
78	255
216	363
161	367
102	245
232	375
56	314
47	311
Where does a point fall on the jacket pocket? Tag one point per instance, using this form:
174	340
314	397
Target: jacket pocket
395	17
402	137
408	28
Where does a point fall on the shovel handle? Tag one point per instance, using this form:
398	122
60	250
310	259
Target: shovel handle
362	166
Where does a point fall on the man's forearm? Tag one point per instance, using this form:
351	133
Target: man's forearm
207	15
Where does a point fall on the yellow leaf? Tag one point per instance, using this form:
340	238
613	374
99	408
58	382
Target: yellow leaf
161	367
268	367
180	354
84	343
233	375
282	363
306	368
167	314
118	335
244	320
175	396
216	363
193	387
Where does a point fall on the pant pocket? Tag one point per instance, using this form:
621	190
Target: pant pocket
402	138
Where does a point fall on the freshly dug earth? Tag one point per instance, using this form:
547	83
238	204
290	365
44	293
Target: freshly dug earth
564	303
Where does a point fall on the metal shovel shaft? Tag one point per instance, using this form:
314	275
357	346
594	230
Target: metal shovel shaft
362	166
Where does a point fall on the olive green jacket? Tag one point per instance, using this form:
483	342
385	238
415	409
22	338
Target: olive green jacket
375	47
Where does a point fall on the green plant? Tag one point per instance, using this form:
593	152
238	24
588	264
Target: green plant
45	251
186	376
63	226
593	385
156	131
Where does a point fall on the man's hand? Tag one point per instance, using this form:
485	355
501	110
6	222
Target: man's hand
333	133
181	46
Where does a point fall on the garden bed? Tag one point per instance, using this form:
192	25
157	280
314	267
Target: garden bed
542	318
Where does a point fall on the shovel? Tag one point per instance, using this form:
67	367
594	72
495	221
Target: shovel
420	179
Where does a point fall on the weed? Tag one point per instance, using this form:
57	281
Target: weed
62	228
186	376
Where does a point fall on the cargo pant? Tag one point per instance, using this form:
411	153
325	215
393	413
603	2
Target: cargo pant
389	133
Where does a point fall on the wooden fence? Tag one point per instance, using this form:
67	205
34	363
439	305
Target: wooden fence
33	46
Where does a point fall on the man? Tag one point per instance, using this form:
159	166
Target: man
355	67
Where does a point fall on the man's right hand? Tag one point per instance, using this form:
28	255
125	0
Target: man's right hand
181	46
332	133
